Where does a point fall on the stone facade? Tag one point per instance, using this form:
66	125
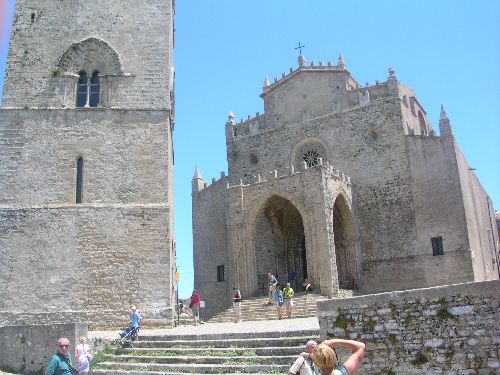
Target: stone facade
440	330
86	207
347	185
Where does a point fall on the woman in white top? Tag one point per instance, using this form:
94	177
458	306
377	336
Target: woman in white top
83	356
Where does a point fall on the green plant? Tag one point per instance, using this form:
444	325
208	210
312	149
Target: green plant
392	306
408	319
369	325
390	371
420	359
393	340
445	315
341	322
56	72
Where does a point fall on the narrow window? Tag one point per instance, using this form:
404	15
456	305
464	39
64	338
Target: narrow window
220	273
33	17
81	91
94	89
437	246
79	179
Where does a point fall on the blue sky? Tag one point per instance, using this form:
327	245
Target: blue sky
447	51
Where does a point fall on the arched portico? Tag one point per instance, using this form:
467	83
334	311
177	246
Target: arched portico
279	240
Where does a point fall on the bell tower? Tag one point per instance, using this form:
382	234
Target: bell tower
86	159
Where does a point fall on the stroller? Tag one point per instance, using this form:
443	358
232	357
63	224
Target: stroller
128	336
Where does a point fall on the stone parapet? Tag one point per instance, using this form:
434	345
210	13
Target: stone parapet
429	330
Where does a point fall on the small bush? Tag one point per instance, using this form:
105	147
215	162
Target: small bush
420	359
341	322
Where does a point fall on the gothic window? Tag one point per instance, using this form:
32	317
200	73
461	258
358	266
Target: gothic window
81	91
437	246
79	179
421	122
94	89
220	273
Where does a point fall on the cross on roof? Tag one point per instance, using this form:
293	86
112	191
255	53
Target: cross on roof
300	48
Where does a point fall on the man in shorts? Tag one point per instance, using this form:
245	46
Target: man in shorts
288	293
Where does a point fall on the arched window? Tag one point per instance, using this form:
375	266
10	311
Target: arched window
94	89
421	122
81	91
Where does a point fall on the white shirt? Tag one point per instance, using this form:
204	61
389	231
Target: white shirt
301	366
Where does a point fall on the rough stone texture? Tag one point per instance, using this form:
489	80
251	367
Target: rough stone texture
66	261
405	186
27	349
441	330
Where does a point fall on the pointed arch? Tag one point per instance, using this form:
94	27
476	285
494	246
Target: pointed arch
89	55
345	249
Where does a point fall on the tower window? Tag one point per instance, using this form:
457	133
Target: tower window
33	17
81	91
87	92
79	179
220	273
437	246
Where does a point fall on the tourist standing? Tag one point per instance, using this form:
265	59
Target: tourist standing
303	365
291	278
60	363
288	294
325	360
278	300
83	355
271	286
237	305
195	306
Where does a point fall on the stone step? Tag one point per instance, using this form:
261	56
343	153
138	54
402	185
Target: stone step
246	343
204	359
147	368
231	352
234	335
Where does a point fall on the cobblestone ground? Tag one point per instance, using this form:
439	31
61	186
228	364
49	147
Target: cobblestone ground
208	328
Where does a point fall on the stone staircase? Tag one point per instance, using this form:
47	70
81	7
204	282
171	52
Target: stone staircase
209	353
257	308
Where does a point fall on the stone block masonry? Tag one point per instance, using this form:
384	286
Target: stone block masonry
450	329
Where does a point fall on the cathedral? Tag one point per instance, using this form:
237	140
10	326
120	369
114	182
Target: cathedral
348	185
86	155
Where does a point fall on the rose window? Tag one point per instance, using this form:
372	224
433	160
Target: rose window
311	157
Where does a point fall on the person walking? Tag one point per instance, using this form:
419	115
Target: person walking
326	361
271	286
60	363
237	305
84	356
195	307
135	322
288	294
278	300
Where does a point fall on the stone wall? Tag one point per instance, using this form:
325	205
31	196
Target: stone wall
449	329
28	349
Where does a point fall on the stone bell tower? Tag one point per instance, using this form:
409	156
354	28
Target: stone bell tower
86	155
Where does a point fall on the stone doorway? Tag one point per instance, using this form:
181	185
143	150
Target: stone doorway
279	241
345	249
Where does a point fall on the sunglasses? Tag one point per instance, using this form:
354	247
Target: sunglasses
63	346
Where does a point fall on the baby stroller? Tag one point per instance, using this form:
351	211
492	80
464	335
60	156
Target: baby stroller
128	336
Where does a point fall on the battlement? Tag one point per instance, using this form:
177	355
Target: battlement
266	176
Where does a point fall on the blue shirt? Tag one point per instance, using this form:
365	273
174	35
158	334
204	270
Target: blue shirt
58	365
135	318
